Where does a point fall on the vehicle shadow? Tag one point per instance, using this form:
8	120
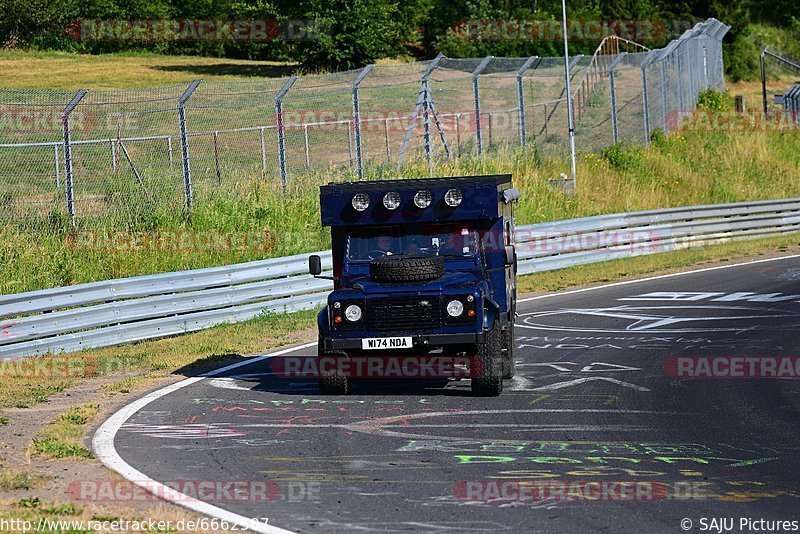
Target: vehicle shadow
267	375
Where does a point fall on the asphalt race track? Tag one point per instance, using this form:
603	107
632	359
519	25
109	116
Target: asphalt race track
592	404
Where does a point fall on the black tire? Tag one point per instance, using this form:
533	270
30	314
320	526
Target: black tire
509	363
406	268
487	380
334	384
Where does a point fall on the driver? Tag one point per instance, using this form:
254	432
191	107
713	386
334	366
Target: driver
384	244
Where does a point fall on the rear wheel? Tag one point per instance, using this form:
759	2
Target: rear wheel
486	372
332	383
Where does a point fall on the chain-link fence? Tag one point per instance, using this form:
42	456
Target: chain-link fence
779	74
94	157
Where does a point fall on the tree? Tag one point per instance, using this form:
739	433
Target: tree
348	33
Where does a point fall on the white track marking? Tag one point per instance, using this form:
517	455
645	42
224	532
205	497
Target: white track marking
103	445
103	442
659	277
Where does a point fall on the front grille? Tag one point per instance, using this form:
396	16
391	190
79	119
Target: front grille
406	313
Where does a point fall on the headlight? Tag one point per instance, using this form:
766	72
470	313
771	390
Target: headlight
455	308
360	202
423	199
391	200
453	197
353	313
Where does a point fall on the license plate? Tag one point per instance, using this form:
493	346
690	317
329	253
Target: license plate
375	343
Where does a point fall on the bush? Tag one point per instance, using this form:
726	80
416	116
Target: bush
714	100
623	157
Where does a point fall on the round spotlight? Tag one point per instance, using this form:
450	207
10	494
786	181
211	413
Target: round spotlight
453	197
360	202
455	308
353	313
423	199
391	201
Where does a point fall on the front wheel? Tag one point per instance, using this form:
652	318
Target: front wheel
333	383
486	372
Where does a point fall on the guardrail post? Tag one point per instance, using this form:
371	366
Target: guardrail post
357	119
279	122
523	136
68	171
612	76
477	101
184	135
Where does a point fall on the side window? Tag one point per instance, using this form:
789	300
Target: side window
509	233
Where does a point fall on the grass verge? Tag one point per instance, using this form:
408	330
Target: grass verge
61	438
130	367
682	169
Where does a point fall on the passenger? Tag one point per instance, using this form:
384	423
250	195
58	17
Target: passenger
412	248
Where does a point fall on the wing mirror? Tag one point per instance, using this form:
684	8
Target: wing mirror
314	265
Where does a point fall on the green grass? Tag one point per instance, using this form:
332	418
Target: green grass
19	480
70	71
683	169
60	438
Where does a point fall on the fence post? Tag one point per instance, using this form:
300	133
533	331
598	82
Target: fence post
521	98
187	168
645	99
113	156
58	172
357	119
477	100
613	89
679	78
422	97
169	151
426	119
386	139
664	101
307	148
68	174
279	122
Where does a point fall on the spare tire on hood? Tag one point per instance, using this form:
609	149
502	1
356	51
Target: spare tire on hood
403	268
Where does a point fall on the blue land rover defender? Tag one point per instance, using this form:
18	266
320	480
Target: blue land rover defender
421	266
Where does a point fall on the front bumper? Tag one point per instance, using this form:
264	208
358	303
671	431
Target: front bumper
420	341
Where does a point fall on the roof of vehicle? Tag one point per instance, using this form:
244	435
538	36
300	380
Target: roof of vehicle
413	183
481	196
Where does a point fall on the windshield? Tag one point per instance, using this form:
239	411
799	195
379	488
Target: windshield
449	240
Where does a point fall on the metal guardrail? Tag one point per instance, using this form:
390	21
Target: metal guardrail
115	312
